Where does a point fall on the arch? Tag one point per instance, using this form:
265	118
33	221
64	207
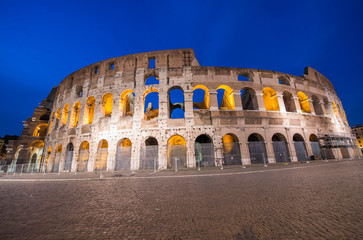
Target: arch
289	101
49	152
200	97
176	152
225	98
152	80
176	102
57	118
75	115
335	109
304	102
151	103
257	148
300	148
51	123
245	77
83	157
204	151
231	150
40	130
270	99
284	81
315	146
69	157
280	147
127	100
57	156
248	98
101	156
107	103
123	154
316	105
65	114
89	110
149	154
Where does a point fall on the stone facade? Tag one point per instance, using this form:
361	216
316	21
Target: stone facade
101	120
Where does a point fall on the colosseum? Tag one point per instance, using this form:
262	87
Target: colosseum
160	110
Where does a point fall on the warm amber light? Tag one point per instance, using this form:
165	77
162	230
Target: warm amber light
107	104
304	102
227	102
270	99
89	110
205	103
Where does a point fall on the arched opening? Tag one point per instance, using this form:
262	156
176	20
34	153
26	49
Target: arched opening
107	103
152	80
75	115
281	151
316	105
231	150
101	156
51	123
65	114
44	117
49	152
83	157
123	155
176	152
200	97
151	104
40	130
315	146
249	100
176	103
35	152
289	101
270	99
257	148
225	98
127	100
57	118
244	77
57	157
149	154
335	109
284	81
204	151
69	157
304	102
89	110
300	147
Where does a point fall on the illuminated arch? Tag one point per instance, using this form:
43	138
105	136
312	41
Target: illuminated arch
49	152
225	98
75	115
204	151
34	154
231	150
68	157
51	123
89	110
249	100
40	130
127	100
149	154
335	109
57	157
270	99
304	102
106	104
176	102
101	156
176	151
289	101
83	157
65	114
151	103
200	97
123	154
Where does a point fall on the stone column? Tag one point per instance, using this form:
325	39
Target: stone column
281	102
291	146
245	152
311	105
237	101
213	101
260	102
269	148
297	104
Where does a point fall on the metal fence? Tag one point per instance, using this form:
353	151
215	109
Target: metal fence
281	151
149	157
258	153
231	154
176	156
123	158
68	161
300	151
82	160
315	147
204	154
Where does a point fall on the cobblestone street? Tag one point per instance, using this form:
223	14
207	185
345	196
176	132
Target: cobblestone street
306	201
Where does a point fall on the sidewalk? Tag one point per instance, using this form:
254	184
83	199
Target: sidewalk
184	172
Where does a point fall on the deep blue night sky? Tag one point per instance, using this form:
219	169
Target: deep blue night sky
43	41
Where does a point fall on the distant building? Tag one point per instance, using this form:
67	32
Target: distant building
358	131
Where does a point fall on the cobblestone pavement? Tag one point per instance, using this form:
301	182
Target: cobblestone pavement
310	201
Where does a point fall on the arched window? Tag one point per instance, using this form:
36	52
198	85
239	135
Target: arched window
176	152
176	102
83	157
304	102
75	115
289	102
101	156
300	147
231	150
49	152
51	123
281	151
152	80
284	81
225	98
151	104
40	130
244	77
35	152
149	154
127	100
315	146
107	102
317	106
123	155
57	157
57	117
335	109
257	148
270	99
200	97
65	114
69	157
89	110
204	151
249	100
